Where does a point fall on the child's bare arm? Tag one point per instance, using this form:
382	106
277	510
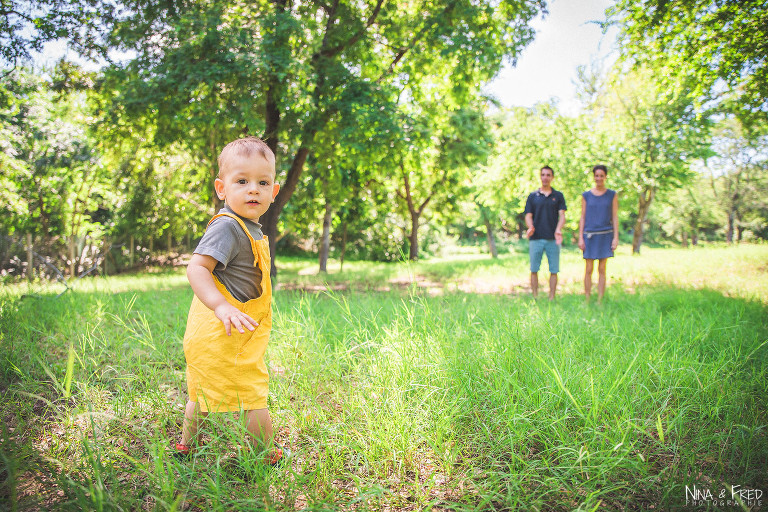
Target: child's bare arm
199	273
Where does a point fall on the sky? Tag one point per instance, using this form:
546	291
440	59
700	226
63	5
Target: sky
565	39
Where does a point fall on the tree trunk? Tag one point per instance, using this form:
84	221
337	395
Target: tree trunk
695	238
151	245
131	251
30	258
170	241
413	237
213	154
729	231
325	241
343	248
643	205
105	251
684	238
489	233
269	220
72	256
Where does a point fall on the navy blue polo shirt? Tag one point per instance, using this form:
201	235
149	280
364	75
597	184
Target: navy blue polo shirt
545	210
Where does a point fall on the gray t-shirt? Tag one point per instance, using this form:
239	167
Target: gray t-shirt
227	243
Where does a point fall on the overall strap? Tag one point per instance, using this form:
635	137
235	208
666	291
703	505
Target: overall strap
248	234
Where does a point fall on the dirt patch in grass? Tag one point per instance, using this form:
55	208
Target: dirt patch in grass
421	283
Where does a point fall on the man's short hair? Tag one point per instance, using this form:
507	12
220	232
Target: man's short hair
550	170
246	147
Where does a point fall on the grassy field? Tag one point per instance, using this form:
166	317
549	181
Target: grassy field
439	385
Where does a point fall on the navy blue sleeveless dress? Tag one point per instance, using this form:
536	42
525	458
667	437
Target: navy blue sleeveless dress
598	225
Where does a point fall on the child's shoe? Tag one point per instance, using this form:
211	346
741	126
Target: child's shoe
278	455
182	451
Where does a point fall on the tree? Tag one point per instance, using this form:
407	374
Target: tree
739	175
690	213
710	42
525	141
59	177
26	25
434	158
207	71
653	135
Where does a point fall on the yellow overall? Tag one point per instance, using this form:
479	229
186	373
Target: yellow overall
228	373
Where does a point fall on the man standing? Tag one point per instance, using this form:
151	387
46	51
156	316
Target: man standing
545	216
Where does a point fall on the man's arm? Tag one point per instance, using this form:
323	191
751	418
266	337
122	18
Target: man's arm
529	223
200	275
559	228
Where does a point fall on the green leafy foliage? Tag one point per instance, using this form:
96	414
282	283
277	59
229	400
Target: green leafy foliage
720	46
25	26
527	140
653	135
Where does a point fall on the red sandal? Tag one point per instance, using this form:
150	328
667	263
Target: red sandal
182	451
277	456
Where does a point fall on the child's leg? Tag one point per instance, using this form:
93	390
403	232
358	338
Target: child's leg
259	426
191	423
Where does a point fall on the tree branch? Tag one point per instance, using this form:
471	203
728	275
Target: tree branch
352	40
416	38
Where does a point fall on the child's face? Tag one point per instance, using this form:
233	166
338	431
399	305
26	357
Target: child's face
248	185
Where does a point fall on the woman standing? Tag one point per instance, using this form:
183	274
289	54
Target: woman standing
598	229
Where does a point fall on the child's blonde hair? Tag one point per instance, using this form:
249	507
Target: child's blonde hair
246	146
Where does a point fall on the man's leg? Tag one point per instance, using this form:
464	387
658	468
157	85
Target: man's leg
552	286
588	268
535	252
553	259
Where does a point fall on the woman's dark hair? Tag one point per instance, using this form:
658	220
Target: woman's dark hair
600	167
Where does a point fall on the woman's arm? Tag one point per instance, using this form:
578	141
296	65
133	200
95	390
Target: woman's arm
581	223
200	275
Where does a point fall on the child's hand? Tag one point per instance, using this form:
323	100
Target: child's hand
230	315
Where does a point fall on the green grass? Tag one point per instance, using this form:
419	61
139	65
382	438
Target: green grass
404	396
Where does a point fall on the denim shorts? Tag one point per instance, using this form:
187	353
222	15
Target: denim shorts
538	247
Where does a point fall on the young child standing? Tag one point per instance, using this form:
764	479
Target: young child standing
231	313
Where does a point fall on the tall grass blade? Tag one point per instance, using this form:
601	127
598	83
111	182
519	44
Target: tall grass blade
70	371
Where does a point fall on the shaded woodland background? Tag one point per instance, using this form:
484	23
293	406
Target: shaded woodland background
386	145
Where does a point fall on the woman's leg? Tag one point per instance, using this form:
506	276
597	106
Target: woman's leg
588	266
601	278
